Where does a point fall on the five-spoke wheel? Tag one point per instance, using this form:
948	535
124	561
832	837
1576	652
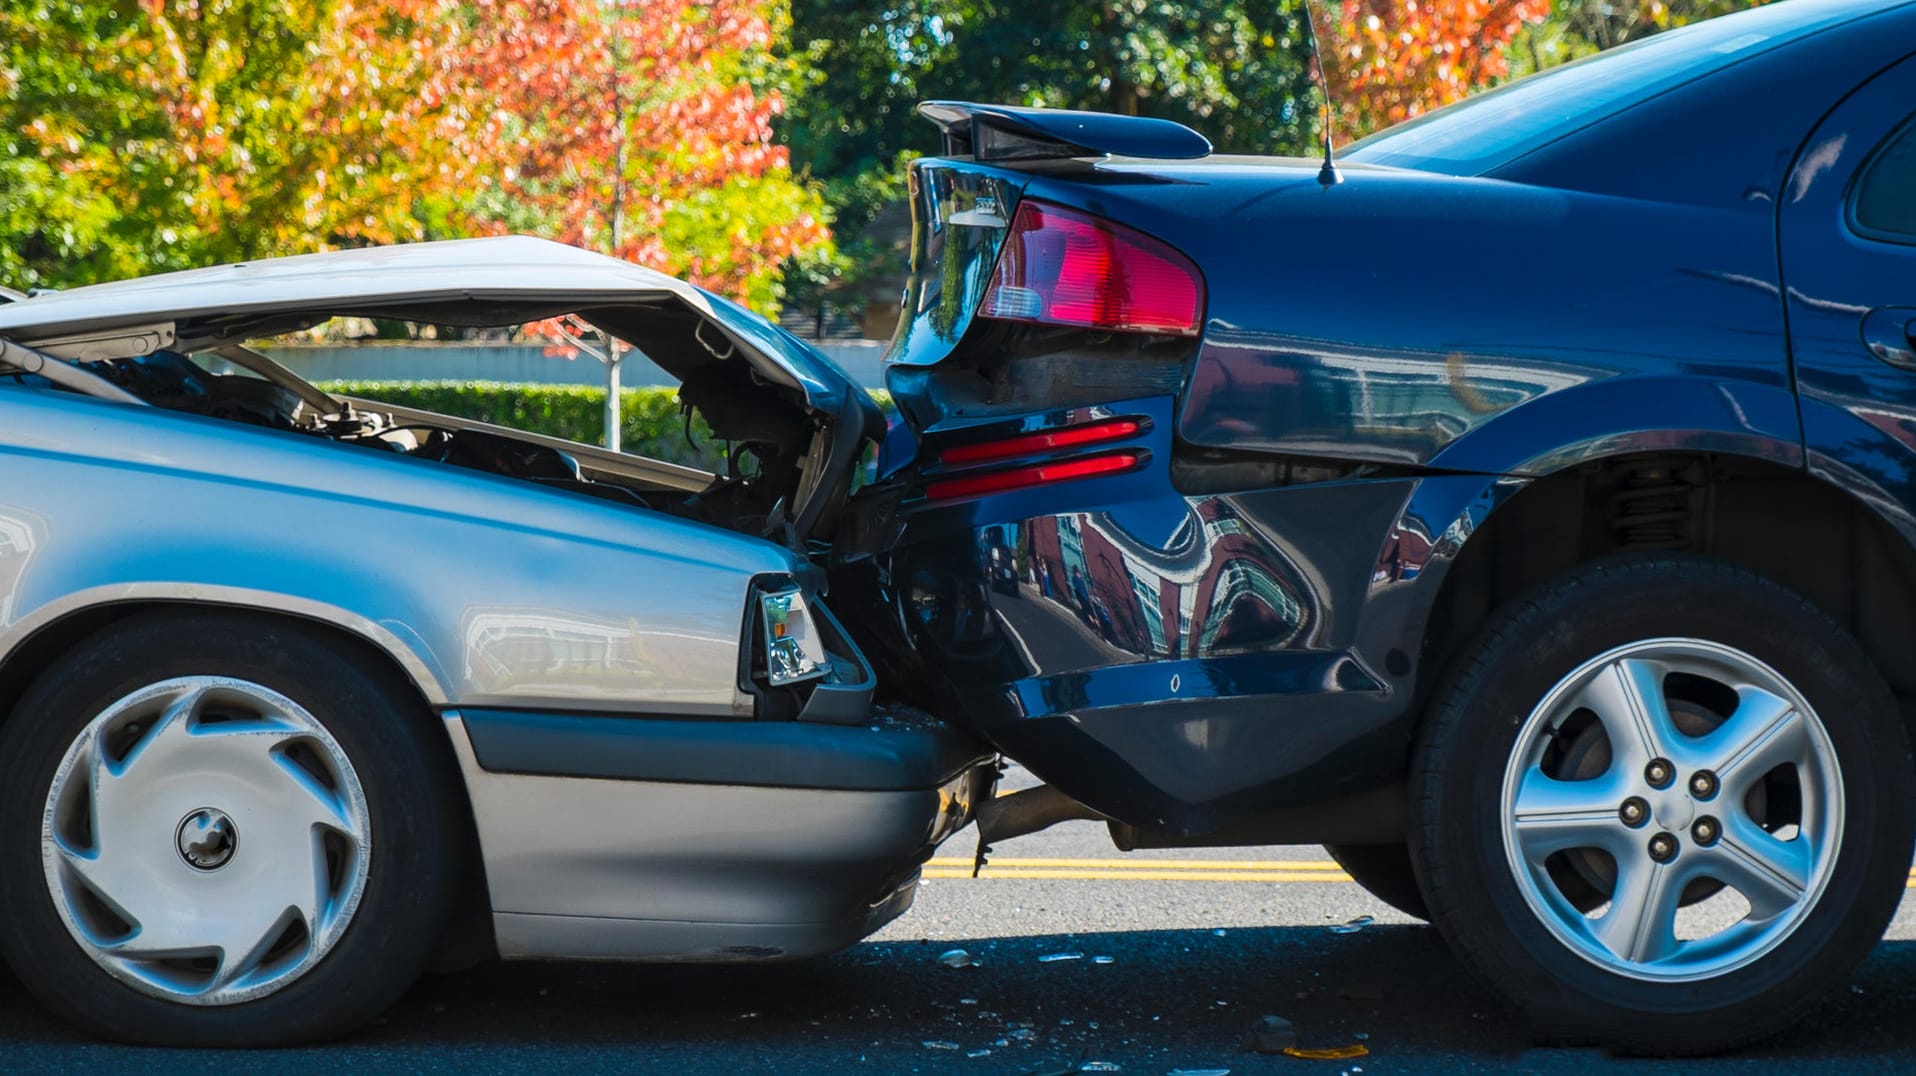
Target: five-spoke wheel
1661	803
1680	774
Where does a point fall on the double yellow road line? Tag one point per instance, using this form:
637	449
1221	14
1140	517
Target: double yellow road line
1156	870
1146	870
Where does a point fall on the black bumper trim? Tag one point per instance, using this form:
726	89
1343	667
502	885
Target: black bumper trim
890	755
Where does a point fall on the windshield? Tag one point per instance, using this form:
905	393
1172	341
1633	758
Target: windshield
1487	131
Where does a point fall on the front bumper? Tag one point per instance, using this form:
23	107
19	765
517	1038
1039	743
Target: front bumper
628	838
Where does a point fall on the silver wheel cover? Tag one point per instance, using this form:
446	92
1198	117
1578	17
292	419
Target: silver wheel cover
205	840
1777	871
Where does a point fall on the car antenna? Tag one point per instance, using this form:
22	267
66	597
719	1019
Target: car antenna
1327	175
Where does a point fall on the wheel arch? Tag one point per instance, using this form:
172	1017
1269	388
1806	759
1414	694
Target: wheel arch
40	641
1808	533
27	644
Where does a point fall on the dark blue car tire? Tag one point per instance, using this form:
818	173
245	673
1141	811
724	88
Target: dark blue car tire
1627	679
285	860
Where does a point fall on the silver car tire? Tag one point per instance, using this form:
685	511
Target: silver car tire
1661	803
231	832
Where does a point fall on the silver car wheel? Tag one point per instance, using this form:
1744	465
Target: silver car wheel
1677	811
205	840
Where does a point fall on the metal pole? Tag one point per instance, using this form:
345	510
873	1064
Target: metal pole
612	358
617	220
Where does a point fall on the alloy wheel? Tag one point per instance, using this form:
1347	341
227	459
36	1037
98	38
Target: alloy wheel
1699	833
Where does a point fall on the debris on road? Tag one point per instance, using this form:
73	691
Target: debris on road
1333	1053
1104	960
957	958
1270	1035
1053	958
939	1044
1354	925
1199	1072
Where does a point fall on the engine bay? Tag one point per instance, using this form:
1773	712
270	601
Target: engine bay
763	460
793	425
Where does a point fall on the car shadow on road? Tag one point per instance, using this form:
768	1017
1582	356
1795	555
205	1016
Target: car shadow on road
1164	1000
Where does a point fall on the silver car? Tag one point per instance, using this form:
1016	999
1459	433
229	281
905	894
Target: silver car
299	692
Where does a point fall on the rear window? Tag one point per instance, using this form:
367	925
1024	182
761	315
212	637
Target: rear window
1886	194
1494	128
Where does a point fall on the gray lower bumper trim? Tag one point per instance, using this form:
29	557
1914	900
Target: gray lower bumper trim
577	937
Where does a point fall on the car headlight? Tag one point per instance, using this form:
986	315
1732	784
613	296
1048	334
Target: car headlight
794	652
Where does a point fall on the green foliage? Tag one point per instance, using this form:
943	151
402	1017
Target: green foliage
148	136
138	136
1233	70
52	209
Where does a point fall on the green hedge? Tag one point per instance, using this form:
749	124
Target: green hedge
650	421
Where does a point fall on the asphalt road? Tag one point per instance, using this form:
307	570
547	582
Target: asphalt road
1199	945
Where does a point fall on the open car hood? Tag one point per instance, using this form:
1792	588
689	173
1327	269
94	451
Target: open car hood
744	374
498	281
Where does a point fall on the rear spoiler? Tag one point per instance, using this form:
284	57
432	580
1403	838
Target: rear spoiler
1011	133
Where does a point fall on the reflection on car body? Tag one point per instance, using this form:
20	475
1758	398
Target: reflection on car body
1569	609
1341	496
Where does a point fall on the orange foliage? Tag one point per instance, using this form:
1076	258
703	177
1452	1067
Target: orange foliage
235	130
615	117
1390	60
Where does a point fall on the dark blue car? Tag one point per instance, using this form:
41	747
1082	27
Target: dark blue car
1524	509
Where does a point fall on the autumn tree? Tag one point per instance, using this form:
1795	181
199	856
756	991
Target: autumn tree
159	134
58	164
153	135
1389	60
641	128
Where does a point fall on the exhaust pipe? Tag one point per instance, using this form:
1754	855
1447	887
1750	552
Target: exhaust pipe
1004	817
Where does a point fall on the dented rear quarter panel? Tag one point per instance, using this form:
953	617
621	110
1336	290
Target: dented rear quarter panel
1613	293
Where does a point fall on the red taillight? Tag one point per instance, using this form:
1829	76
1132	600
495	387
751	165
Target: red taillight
1063	267
1049	440
1022	477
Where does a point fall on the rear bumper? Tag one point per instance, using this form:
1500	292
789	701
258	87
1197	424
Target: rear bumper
621	838
1180	662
